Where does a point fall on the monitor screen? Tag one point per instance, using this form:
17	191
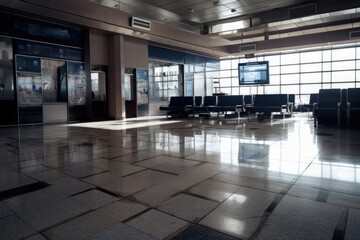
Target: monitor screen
254	73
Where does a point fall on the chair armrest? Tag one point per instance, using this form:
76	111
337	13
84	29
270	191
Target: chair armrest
188	107
239	108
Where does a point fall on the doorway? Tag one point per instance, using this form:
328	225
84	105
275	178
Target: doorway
166	81
99	93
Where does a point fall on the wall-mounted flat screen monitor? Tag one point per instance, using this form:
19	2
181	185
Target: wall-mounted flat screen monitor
253	73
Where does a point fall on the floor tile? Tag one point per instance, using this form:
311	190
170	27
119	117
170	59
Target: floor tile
188	207
137	156
5	211
12	228
168	164
128	185
113	152
36	237
200	233
296	218
352	228
81	170
11	179
215	190
121	231
95	222
241	213
155	195
303	192
342	199
257	183
157	224
235	176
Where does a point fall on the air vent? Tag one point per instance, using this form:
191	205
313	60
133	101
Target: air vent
303	11
140	23
246	48
354	35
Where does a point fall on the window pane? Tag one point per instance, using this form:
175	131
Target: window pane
273	60
226	73
310	78
326	77
234	63
343	76
290	69
235	81
327	66
253	90
315	67
343	85
199	85
327	55
290	58
244	90
290	89
290	78
274	70
235	73
225	82
198	68
235	91
272	89
260	90
310	88
343	54
226	90
225	64
275	79
346	65
326	86
309	57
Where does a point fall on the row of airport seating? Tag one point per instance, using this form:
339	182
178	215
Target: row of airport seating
266	105
340	107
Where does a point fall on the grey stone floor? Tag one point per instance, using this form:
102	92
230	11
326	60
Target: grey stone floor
158	178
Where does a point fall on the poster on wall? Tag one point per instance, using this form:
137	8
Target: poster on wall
142	83
76	83
29	82
54	80
29	89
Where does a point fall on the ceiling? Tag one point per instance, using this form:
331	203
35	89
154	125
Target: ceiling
264	19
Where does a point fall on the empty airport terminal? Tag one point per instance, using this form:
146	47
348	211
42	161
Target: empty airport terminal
186	120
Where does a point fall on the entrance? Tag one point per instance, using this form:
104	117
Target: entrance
98	92
165	82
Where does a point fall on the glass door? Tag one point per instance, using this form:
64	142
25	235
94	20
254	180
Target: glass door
98	93
165	81
54	81
7	95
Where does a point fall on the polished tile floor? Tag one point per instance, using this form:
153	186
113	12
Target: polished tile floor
158	178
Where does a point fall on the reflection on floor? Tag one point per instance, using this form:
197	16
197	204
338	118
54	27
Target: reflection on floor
158	178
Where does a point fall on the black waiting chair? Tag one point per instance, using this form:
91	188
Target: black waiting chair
203	108
310	106
328	107
353	106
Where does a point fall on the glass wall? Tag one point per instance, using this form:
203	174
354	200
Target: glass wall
298	72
